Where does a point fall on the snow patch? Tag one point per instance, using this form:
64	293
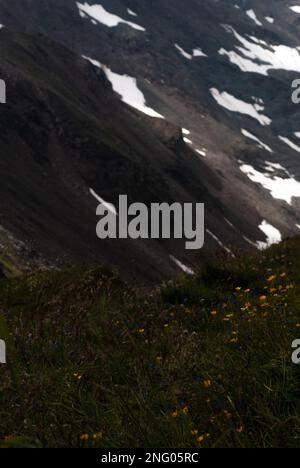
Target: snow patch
281	188
199	53
202	152
233	104
220	243
102	16
130	12
254	138
269	19
252	15
250	241
272	234
183	267
126	87
295	9
256	56
290	143
196	53
109	206
272	167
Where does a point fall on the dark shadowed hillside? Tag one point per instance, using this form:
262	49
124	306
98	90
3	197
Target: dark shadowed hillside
63	132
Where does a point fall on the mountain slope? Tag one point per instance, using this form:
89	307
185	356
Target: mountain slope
65	132
221	70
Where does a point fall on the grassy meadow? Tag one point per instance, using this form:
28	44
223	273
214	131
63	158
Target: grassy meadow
204	361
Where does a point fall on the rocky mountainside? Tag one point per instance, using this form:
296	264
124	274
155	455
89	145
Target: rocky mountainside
162	100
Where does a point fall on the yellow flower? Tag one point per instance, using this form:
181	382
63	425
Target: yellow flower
84	437
247	290
185	410
263	298
283	275
238	289
240	429
194	432
214	313
141	331
98	435
202	438
228	317
174	414
271	278
207	383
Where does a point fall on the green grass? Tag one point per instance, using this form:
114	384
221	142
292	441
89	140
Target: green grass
202	362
